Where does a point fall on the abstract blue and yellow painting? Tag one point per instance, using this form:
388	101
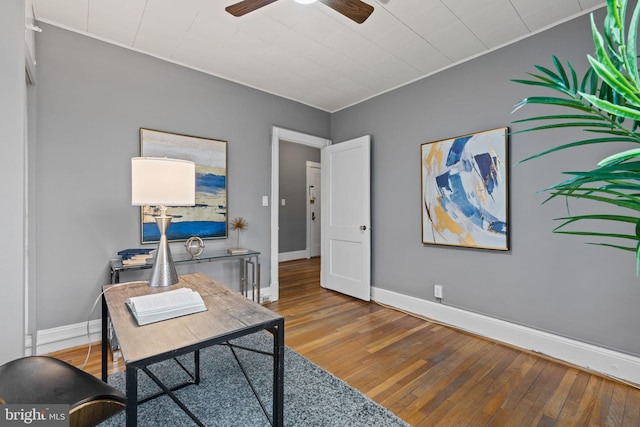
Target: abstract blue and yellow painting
465	191
208	218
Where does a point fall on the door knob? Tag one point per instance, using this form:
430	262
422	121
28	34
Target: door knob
363	227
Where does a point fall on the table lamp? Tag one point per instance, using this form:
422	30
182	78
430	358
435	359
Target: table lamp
162	182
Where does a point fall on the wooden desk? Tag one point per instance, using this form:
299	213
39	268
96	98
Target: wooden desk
229	315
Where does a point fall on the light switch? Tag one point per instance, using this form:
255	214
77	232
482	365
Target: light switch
283	202
265	200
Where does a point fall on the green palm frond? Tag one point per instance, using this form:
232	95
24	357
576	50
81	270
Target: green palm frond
620	157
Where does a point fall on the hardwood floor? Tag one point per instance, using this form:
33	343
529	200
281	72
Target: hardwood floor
429	374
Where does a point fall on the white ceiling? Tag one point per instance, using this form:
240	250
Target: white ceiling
310	53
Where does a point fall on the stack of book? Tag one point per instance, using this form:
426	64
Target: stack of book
165	305
136	256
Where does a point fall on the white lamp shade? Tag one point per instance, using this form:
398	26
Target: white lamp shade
160	181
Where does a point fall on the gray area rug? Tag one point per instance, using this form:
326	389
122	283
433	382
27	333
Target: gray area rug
312	396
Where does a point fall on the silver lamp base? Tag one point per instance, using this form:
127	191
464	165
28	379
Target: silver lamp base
163	272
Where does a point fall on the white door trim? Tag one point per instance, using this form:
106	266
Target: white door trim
309	166
278	134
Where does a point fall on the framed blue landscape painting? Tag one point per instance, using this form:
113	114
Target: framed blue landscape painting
465	191
208	218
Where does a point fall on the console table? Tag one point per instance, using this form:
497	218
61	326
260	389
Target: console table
249	284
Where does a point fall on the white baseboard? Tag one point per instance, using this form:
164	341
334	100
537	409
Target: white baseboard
608	362
63	337
265	295
290	256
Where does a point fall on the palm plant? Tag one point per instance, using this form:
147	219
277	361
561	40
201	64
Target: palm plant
606	105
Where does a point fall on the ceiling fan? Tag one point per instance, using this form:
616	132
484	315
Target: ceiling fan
355	10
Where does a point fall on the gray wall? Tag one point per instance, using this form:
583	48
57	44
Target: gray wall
92	99
12	175
292	234
547	281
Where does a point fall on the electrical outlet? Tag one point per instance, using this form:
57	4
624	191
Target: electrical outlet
437	291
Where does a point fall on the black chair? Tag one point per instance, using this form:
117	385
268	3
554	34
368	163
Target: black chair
45	380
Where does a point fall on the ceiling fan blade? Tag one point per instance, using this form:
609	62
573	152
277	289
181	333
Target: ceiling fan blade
246	6
355	10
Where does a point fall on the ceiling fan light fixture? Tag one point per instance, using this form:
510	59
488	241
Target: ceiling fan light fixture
356	10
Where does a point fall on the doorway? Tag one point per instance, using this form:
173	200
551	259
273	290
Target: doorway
295	196
277	135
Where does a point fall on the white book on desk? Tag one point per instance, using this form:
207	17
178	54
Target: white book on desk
165	305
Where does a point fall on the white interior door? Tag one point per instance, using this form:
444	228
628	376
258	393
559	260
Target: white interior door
346	217
314	211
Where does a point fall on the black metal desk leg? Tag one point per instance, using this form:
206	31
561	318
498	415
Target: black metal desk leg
105	342
132	396
196	363
278	375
